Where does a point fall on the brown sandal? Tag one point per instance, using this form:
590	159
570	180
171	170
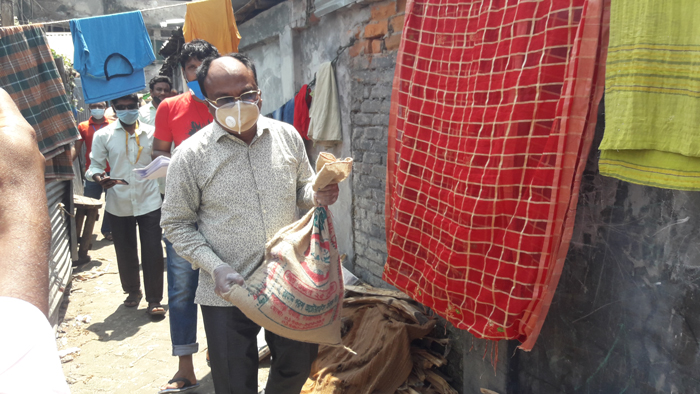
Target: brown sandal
133	300
155	309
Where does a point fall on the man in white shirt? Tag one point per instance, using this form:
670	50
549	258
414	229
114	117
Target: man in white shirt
160	87
127	145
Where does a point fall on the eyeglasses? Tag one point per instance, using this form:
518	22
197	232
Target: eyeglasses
252	97
125	107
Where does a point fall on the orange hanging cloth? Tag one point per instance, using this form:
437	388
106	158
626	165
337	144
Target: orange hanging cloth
212	21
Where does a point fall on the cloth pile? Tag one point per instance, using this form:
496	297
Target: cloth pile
395	354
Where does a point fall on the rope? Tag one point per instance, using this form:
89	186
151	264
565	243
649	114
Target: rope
143	10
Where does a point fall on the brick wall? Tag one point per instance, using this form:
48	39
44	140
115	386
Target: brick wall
383	32
373	59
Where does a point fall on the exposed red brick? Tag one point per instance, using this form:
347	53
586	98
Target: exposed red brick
376	46
356	32
396	24
356	49
401	5
383	10
392	42
361	47
377	29
313	19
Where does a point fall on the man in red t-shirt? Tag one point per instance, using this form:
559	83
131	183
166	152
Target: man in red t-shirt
178	118
87	130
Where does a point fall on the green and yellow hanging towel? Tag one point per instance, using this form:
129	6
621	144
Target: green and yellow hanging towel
652	97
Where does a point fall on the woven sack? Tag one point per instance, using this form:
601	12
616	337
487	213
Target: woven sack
298	291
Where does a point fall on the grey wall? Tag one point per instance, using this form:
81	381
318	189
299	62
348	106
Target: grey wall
626	314
371	99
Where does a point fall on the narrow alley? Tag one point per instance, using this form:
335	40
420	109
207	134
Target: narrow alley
109	348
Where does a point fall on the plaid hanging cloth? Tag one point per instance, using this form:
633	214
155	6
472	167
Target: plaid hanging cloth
493	114
29	75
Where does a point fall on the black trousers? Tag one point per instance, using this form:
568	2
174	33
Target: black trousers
233	352
150	235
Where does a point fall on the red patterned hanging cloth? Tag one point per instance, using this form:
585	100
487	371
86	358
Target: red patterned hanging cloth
493	114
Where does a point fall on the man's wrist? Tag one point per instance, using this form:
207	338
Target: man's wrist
96	178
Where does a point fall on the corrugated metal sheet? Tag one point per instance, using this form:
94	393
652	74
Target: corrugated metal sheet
78	95
58	195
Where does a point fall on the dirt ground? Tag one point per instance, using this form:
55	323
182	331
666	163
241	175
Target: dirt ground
121	350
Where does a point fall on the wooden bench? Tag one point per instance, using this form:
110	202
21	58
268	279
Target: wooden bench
86	210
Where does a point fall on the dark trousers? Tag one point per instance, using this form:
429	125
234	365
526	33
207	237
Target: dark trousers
94	190
233	352
150	235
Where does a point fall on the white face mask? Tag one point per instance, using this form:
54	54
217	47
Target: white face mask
238	117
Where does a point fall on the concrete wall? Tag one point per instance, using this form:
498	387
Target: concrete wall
626	314
288	45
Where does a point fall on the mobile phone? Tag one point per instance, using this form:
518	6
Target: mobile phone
120	181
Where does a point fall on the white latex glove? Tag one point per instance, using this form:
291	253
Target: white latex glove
224	278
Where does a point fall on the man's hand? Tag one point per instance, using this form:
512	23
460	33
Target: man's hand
225	277
327	196
25	230
104	180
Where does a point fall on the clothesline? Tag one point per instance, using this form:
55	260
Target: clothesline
145	9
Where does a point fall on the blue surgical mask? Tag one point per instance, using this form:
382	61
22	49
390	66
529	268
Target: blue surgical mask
128	116
196	90
97	113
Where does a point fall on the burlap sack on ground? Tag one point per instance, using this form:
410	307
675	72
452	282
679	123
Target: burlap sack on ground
297	292
381	335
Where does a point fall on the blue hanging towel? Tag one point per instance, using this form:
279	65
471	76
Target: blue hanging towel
288	112
110	53
277	114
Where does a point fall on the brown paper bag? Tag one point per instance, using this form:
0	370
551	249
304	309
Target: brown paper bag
298	291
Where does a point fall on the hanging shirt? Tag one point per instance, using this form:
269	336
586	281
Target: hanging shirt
87	130
110	53
121	149
212	21
147	114
325	113
302	101
180	117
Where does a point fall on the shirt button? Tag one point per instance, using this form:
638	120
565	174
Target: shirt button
264	210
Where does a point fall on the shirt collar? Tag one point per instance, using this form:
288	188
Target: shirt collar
92	121
220	132
139	130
